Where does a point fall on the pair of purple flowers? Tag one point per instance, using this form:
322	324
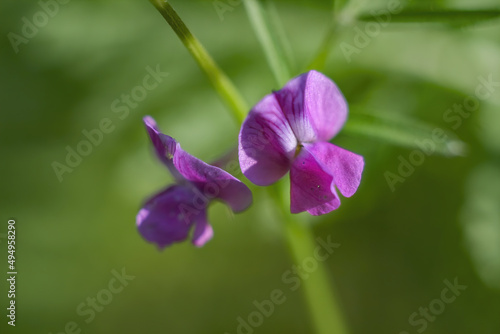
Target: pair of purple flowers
287	130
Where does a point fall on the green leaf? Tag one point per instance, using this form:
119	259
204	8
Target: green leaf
403	131
270	38
280	36
338	5
450	17
319	61
344	14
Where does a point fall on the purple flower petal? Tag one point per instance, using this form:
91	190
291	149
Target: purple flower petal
266	143
203	232
345	166
168	216
164	145
314	107
212	182
311	187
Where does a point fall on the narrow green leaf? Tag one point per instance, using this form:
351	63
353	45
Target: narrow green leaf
321	56
269	39
222	84
338	5
280	34
402	131
344	14
450	17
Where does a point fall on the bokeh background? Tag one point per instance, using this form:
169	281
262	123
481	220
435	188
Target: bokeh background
397	247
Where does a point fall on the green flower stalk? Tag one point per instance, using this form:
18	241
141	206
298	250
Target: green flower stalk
224	87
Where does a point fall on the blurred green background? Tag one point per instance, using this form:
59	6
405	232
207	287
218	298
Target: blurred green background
397	247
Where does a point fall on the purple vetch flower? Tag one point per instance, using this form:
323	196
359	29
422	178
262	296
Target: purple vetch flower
289	130
169	216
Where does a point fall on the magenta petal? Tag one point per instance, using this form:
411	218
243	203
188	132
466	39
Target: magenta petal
345	166
203	232
168	216
311	187
266	143
325	105
212	182
164	145
314	106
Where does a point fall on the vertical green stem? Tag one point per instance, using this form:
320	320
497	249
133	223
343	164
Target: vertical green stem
325	313
219	80
281	36
338	5
344	15
319	61
273	49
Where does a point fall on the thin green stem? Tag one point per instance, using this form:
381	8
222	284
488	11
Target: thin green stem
344	14
281	35
319	60
275	55
325	313
338	5
227	91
